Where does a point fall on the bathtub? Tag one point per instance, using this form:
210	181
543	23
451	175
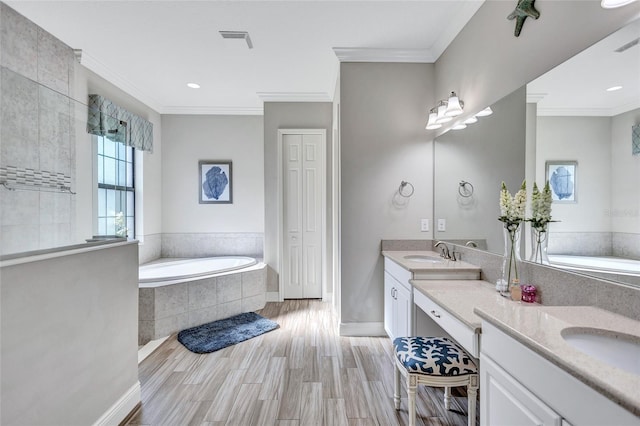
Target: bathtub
175	294
166	271
616	265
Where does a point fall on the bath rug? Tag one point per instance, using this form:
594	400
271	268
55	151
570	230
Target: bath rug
218	335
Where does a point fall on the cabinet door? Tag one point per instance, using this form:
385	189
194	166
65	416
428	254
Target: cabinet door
389	285
505	402
403	312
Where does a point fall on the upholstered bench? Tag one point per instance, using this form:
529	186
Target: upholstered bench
437	362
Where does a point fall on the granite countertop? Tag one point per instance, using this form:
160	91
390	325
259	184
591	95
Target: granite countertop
447	294
539	328
445	265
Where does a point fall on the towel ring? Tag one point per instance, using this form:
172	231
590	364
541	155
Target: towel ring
465	189
409	193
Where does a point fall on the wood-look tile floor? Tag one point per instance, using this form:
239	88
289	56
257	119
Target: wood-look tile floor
302	373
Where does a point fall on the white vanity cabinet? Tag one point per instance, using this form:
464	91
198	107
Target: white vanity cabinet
520	387
398	300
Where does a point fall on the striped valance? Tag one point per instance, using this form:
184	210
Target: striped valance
116	123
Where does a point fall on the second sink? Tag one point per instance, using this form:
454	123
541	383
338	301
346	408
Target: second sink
617	349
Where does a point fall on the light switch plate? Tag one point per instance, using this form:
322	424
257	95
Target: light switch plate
442	225
424	225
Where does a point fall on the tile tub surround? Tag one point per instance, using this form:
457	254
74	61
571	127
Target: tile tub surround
168	309
539	329
213	244
150	248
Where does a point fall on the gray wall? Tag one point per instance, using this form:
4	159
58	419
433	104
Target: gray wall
290	115
485	154
191	229
69	340
383	114
37	133
625	196
486	62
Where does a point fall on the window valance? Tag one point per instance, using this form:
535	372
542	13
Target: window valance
116	123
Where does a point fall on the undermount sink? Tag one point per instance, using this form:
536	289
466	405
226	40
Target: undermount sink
616	349
422	258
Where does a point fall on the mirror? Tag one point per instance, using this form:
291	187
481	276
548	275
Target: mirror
569	117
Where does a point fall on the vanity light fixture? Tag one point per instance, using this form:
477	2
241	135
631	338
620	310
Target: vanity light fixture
614	88
612	4
471	120
459	126
485	112
442	116
432	124
454	107
193	85
444	111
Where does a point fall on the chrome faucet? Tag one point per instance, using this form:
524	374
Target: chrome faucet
445	250
471	244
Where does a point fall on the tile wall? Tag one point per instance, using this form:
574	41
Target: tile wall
36	133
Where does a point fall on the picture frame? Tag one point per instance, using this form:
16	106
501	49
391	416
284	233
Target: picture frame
215	182
562	177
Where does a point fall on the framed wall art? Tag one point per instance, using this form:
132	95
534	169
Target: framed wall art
562	179
216	182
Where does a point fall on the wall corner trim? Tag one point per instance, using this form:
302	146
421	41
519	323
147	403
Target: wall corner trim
122	407
358	329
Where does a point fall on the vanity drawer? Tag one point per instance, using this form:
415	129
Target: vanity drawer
398	272
461	332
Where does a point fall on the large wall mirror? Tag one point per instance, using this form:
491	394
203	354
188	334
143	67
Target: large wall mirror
564	117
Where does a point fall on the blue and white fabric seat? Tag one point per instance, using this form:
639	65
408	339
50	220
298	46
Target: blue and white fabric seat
438	362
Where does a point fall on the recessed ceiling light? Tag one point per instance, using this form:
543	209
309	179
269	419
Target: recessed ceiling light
193	85
614	88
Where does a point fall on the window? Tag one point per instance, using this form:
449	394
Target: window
116	192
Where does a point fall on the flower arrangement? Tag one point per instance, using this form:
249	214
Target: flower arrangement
512	208
540	219
512	214
540	207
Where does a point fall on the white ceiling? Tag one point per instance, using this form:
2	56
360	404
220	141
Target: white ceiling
578	86
151	49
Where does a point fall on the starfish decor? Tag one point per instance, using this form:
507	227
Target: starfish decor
523	10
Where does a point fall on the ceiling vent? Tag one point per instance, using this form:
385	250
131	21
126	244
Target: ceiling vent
628	45
243	35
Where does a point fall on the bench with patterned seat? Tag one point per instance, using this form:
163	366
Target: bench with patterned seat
437	362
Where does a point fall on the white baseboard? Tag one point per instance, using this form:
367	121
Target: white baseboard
362	329
328	297
122	407
272	296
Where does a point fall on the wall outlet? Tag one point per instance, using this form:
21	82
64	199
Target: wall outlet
442	225
424	225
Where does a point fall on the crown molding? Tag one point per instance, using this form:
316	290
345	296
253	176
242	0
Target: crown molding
294	97
366	54
588	112
212	110
116	79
